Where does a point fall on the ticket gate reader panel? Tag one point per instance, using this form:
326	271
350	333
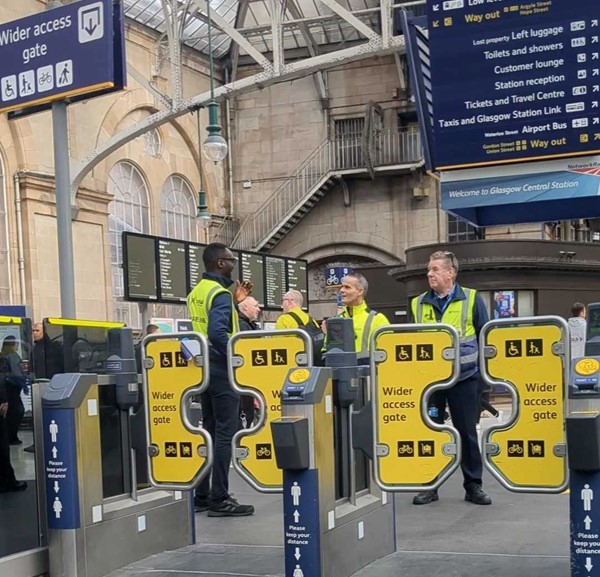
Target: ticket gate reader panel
175	368
529	356
258	364
408	363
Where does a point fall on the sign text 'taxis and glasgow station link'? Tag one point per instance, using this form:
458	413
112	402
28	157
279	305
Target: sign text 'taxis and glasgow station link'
514	80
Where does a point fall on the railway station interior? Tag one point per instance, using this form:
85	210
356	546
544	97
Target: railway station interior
320	157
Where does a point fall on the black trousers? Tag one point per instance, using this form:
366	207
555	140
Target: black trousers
220	417
463	402
7	473
15	413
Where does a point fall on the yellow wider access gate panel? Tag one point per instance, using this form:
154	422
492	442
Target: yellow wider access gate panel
259	362
175	369
408	363
529	356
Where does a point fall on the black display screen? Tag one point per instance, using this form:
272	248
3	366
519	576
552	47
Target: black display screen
172	271
593	320
195	264
139	266
275	281
297	278
252	268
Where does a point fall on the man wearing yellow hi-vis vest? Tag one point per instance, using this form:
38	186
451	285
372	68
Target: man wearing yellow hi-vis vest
463	308
213	313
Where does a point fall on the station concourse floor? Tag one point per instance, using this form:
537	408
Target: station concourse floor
519	535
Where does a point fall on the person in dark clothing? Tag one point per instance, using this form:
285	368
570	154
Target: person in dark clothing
48	360
15	382
8	481
214	315
448	302
48	355
249	310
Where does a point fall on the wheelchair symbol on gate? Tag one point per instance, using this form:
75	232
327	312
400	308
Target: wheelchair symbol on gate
513	348
259	358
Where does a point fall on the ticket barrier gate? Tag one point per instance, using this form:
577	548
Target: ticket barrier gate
258	363
333	524
93	503
530	357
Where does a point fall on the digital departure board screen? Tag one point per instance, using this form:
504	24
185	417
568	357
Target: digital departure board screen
195	264
172	271
252	268
297	278
275	281
139	266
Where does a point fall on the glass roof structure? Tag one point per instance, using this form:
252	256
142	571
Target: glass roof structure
305	22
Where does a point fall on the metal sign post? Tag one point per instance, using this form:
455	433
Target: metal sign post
259	362
175	368
408	363
529	356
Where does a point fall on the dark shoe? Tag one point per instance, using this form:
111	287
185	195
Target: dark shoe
475	494
14	486
16	442
425	497
30	449
230	508
201	505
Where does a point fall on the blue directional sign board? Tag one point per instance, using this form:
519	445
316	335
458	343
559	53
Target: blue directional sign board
60	463
514	81
585	524
61	53
301	523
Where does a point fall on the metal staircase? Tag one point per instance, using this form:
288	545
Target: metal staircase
387	152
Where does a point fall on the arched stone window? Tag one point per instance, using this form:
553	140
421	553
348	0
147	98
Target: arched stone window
178	210
129	212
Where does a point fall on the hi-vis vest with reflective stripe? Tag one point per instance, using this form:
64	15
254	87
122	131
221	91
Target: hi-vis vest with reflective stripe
200	302
459	314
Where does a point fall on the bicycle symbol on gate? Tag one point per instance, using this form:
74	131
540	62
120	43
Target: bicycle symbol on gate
515	448
263	451
406	448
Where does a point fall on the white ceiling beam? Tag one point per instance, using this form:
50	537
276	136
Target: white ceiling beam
235	35
365	30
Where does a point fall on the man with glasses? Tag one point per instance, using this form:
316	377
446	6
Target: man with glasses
293	316
463	308
213	314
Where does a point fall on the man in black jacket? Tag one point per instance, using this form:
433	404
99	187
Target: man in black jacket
249	310
8	482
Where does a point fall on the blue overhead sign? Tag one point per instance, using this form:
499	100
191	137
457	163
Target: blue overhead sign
61	53
514	81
